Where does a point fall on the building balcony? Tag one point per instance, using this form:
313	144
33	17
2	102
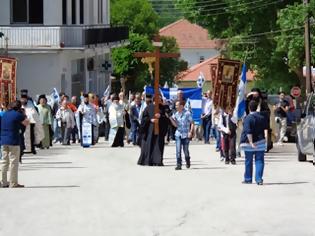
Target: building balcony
58	37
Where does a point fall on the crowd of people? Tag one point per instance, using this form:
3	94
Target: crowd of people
27	126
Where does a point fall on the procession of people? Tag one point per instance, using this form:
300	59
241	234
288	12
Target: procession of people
27	126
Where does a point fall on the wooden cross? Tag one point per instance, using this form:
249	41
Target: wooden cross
157	55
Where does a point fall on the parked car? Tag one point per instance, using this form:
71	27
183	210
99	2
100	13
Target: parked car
306	130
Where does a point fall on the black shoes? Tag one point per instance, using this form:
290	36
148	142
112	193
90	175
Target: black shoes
227	162
246	182
178	168
188	164
260	183
233	162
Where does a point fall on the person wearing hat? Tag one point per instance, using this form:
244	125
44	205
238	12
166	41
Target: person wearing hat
116	120
87	114
46	120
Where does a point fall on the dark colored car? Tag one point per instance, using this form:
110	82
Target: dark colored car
306	130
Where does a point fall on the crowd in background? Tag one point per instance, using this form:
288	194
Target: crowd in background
121	121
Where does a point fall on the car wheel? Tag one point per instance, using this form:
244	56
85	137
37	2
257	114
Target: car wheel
301	156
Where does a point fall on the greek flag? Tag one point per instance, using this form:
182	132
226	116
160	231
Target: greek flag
201	80
241	99
193	97
55	95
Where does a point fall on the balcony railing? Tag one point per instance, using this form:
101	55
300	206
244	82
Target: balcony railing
56	37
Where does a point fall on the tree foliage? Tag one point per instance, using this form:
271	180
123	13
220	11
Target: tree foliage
142	21
257	31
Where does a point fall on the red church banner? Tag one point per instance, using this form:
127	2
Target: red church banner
228	72
7	79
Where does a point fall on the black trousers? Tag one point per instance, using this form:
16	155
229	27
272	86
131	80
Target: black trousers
32	130
229	150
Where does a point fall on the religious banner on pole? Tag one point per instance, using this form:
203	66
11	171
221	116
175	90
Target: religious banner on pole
7	79
228	72
213	73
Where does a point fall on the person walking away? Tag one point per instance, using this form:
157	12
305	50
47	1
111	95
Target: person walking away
253	143
46	120
228	129
66	122
183	121
281	109
116	119
206	116
11	124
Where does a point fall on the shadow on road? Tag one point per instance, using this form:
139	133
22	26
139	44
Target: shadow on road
66	186
288	183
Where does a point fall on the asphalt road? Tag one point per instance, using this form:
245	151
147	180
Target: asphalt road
101	191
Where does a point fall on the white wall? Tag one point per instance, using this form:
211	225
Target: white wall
52	12
5	12
38	73
192	56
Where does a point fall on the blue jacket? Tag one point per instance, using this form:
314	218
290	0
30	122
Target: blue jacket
254	124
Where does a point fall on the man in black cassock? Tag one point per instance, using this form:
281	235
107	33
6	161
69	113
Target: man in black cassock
152	146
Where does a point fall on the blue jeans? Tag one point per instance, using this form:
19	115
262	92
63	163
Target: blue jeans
57	131
206	128
134	132
217	136
182	142
259	164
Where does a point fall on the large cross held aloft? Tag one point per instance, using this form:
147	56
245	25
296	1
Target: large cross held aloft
157	55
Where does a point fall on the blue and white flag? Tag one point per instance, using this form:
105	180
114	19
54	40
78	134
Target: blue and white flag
55	95
201	80
107	91
240	107
193	95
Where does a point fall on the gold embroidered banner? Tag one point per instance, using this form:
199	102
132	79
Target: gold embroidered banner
225	88
7	79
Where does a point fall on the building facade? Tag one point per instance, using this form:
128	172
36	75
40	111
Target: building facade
193	41
62	44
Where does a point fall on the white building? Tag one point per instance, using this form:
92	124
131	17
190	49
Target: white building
193	41
60	43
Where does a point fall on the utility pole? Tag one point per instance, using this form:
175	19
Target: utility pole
309	88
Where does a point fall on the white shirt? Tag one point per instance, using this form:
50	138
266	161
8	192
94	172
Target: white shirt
207	106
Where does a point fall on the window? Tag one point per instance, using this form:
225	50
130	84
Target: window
64	12
81	11
100	11
74	11
27	11
201	59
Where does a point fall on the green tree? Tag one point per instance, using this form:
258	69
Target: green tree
142	21
290	43
138	15
243	25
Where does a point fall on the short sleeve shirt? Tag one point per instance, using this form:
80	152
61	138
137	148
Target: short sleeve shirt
183	121
10	128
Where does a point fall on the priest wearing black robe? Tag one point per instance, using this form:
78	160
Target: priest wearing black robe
152	146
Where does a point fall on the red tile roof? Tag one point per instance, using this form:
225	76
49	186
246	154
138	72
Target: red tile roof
189	35
193	72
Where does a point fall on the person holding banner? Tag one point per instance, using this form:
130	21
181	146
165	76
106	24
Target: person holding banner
152	145
87	118
207	116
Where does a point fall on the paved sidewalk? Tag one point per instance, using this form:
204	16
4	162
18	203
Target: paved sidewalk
101	191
